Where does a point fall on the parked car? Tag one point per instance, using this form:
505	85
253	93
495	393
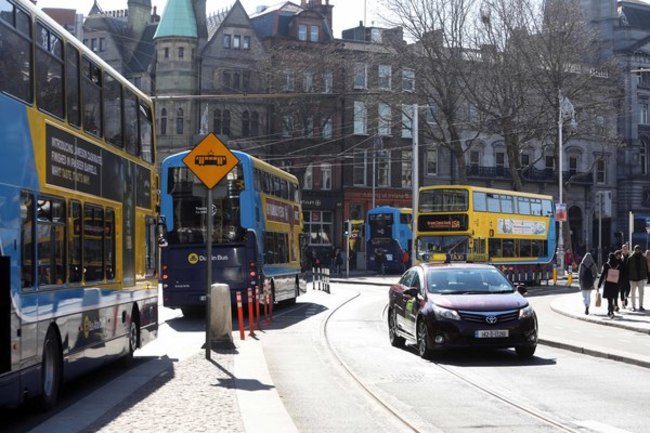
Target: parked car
460	305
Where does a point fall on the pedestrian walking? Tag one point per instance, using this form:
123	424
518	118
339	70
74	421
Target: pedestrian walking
610	277
338	262
587	272
568	260
637	272
380	259
624	285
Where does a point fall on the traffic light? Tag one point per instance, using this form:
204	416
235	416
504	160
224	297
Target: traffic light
346	228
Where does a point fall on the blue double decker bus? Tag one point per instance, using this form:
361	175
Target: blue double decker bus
389	229
257	227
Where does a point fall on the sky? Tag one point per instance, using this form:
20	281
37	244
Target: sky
347	13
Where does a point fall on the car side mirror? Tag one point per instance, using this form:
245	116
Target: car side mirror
411	291
522	290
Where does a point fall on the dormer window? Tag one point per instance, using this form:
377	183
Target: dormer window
302	32
226	41
314	33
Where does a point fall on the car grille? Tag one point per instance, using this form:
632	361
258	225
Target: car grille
481	316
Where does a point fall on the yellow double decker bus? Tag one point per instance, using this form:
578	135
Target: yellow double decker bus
512	230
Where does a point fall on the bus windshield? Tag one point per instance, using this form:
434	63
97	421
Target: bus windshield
429	245
189	209
381	225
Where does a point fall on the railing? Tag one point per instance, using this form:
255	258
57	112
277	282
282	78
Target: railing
532	174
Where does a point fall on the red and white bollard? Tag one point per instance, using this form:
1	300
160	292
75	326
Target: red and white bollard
257	307
251	318
240	316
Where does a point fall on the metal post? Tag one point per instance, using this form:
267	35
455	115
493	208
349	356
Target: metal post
347	248
600	230
374	169
560	242
414	182
208	273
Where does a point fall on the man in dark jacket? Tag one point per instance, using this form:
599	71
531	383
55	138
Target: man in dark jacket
637	273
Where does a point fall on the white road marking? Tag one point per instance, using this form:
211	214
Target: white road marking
600	427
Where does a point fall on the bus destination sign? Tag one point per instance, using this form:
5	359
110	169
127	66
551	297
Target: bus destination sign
442	223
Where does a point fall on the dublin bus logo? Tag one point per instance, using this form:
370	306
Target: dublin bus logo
210	159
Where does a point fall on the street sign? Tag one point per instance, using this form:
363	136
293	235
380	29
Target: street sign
560	212
210	160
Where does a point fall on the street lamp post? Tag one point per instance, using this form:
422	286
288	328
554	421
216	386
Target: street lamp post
566	110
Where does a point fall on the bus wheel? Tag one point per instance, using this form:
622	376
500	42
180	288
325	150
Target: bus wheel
50	371
134	338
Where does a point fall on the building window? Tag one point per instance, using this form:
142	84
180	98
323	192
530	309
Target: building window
408	80
643	114
227	41
246	81
308	181
383	168
360	118
432	113
319	226
384	73
549	162
474	160
309	127
102	44
384	120
314	33
308	82
245	124
432	162
327	127
573	165
181	52
246	43
226	80
643	156
255	124
500	163
221	122
601	171
302	32
328	80
166	51
236	80
407	168
360	75
163	121
525	160
407	121
93	44
236	42
326	176
179	121
359	168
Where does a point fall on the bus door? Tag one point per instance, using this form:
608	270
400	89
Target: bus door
478	250
5	315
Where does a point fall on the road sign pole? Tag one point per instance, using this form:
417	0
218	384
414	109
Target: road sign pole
208	274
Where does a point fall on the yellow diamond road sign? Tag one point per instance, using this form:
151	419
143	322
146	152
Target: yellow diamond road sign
210	160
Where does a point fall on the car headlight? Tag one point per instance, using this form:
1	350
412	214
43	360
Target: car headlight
526	312
445	313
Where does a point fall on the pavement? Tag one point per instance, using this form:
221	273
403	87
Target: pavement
170	392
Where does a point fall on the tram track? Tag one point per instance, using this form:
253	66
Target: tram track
537	414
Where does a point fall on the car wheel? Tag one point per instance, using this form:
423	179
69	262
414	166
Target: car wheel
395	340
423	340
525	351
51	371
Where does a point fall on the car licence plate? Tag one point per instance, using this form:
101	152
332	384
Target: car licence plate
491	333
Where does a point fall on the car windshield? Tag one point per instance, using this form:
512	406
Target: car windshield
467	280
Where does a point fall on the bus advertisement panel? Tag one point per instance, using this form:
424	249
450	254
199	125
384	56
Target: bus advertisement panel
257	231
512	230
78	211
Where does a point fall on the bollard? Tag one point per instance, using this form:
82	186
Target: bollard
570	279
313	278
220	313
240	316
554	276
251	318
257	307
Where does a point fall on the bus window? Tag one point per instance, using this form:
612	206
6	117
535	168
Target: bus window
523	205
49	71
146	134
74	242
150	246
93	236
493	203
131	123
109	244
547	208
91	87
27	236
72	85
112	111
50	229
507	205
536	207
480	201
15	52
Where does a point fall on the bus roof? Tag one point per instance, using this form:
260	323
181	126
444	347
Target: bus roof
176	160
487	190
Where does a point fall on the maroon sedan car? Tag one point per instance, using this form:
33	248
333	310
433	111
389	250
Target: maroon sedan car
459	305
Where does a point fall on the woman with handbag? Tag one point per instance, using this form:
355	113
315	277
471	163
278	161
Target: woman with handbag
587	272
610	276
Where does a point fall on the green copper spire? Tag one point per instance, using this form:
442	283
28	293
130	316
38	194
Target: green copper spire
177	20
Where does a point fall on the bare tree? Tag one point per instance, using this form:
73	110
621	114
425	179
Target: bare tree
438	30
